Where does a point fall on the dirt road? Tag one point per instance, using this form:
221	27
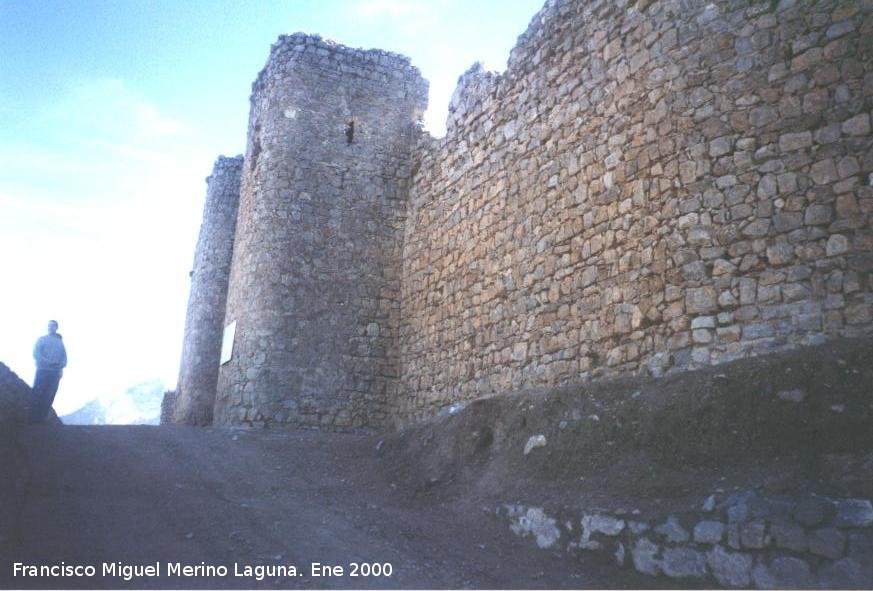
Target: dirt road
162	496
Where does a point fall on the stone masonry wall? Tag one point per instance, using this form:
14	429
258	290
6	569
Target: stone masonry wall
735	540
651	186
204	324
314	284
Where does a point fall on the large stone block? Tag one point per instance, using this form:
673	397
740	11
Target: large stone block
784	572
731	569
699	300
683	562
854	513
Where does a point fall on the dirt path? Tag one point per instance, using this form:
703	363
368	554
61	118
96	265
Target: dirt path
146	495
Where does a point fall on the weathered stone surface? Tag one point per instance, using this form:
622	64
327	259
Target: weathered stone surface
828	542
731	569
854	513
533	442
446	288
708	532
316	260
582	209
823	172
789	535
644	555
14	399
757	229
701	299
672	530
15	396
795	141
683	562
793	395
620	554
843	574
753	534
709	504
744	506
818	214
811	511
534	522
857	125
861	546
604	524
780	253
784	572
837	244
194	397
168	406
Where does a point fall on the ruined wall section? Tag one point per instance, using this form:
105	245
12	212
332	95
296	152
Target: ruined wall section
15	397
651	186
314	283
204	324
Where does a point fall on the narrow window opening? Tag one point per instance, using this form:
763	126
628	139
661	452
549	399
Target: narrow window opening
350	132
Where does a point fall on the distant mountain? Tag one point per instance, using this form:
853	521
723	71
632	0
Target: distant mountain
139	405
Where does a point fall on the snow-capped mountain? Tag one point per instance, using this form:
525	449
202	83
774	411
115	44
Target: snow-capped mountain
138	405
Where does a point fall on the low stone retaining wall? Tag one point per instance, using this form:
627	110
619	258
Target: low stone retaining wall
737	539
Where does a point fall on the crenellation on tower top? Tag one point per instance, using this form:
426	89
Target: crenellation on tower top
335	59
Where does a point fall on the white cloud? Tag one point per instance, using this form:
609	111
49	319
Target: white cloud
391	8
107	108
100	202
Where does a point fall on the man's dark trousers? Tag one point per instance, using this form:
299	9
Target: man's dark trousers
45	386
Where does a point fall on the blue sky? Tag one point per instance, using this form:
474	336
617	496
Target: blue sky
111	115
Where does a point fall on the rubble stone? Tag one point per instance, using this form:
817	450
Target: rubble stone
784	572
752	534
854	513
828	542
672	530
644	556
811	511
789	535
683	562
731	569
843	574
604	524
708	532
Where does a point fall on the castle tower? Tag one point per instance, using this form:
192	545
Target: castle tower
314	282
198	375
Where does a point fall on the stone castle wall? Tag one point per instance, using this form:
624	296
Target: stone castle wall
314	284
651	186
204	324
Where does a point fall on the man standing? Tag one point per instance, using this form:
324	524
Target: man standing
51	359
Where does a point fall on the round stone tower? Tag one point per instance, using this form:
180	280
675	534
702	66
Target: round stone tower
198	375
314	282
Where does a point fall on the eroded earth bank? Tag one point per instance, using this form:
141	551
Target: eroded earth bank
754	473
